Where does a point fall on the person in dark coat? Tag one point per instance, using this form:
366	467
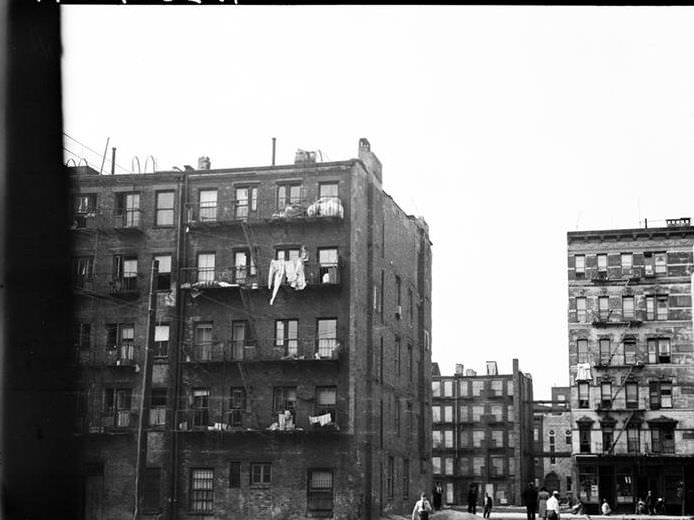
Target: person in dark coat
438	492
472	499
650	503
530	499
487	506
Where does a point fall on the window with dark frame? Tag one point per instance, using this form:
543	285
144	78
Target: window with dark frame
202	341
390	475
605	345
661	307
326	401
157	407
163	282
206	267
328	190
161	341
328	265
633	438
628	307
320	491
660	260
662	438
246	202
287	336
285	400
627	261
244	267
659	350
207	205
405	478
606	395
603	308
127	210
607	430
288	195
582	347
583	395
631	393
602	263
234	474
410	305
629	351
398	349
117	406
260	474
398	297
327	337
580	309
237	406
580	265
584	434
201	490
82	336
201	407
660	394
164	209
82	270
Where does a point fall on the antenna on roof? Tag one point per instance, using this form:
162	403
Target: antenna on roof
103	160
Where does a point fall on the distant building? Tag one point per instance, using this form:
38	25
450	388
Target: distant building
552	442
631	359
482	433
310	398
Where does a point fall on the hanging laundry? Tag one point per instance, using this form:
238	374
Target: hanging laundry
171	298
290	268
583	372
300	282
275	276
324	419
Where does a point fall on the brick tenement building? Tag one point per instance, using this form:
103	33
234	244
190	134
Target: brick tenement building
552	442
311	402
630	358
482	434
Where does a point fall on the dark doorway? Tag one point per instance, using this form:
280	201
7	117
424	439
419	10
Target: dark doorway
552	482
606	484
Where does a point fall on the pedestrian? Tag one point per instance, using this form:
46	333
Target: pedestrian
438	492
553	506
640	507
487	506
421	509
530	499
472	495
542	497
650	503
605	507
659	507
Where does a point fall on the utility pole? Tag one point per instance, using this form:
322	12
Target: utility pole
145	393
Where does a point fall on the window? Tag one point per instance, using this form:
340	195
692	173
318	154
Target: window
582	346
127	210
464	438
410	419
633	438
464	466
327	337
326	401
398	348
436	414
661	307
124	274
606	395
583	395
405	478
234	474
237	406
603	307
552	447
568	438
448	388
244	267
206	263
497	439
497	466
288	195
436	465
477	412
436	439
605	351
246	202
464	414
510	414
82	336
660	394
126	346
463	388
497	412
202	337
631	392
659	350
627	262
163	282
84	204
287	336
477	388
117	402
328	265
398	296
569	484
390	477
320	491
164	214
82	270
410	361
436	388
497	388
662	438
410	306
630	351
602	263
448	438
260	474
328	190
448	466
660	263
161	341
208	205
157	407
447	414
477	438
478	466
151	490
628	307
584	438
285	400
580	265
201	407
239	337
581	309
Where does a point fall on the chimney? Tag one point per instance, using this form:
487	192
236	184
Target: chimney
373	165
491	368
459	369
204	163
304	157
470	373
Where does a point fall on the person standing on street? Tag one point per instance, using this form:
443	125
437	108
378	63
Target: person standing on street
530	499
542	498
553	506
421	509
650	503
472	499
487	506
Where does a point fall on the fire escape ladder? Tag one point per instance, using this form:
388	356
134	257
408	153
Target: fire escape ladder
621	431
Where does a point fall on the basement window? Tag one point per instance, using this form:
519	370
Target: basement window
201	490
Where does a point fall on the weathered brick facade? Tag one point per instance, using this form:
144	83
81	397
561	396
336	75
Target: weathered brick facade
630	357
482	434
352	347
553	442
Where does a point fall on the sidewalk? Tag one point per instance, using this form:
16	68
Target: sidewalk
502	514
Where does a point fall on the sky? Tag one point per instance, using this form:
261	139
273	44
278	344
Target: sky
504	127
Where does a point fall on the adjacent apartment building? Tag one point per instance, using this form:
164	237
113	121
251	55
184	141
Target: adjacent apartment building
631	358
482	433
253	342
553	442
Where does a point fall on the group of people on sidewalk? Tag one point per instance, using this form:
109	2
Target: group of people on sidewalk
542	503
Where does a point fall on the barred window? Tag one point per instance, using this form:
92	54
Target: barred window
320	490
202	490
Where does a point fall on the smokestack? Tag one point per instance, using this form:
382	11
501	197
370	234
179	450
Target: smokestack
113	160
274	141
204	163
459	369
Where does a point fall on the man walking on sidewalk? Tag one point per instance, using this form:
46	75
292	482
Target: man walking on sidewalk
530	499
